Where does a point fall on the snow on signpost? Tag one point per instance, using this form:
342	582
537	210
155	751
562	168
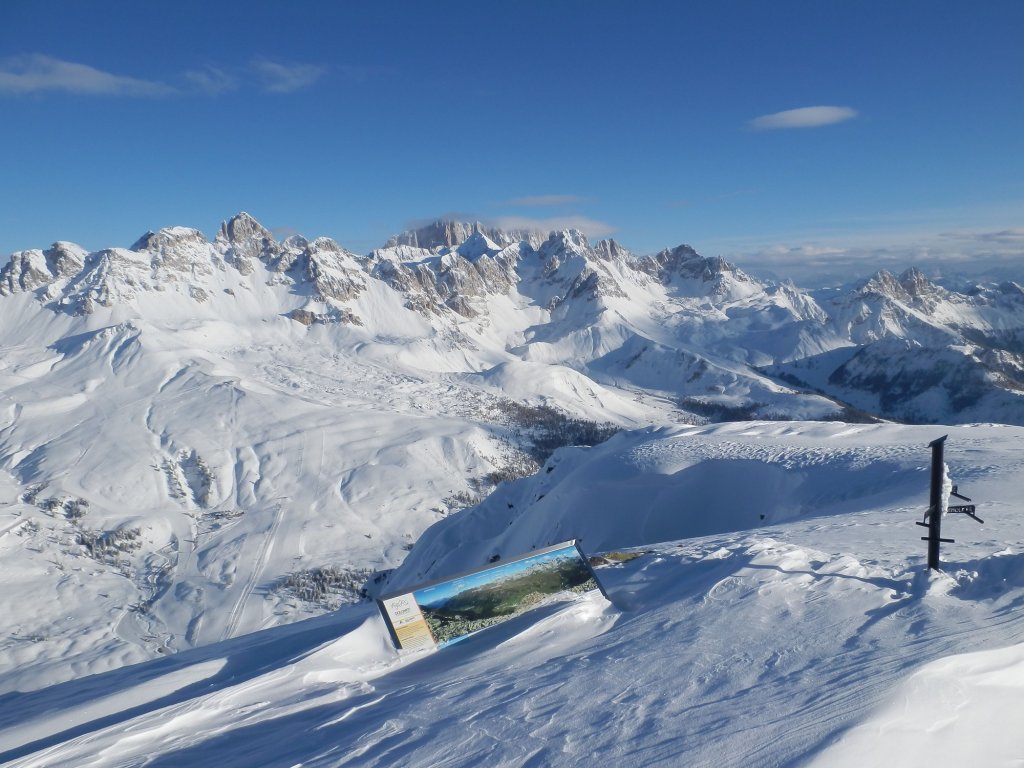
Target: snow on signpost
941	489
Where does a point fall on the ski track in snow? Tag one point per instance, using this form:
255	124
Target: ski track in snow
266	543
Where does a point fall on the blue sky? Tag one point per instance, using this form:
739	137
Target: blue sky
804	138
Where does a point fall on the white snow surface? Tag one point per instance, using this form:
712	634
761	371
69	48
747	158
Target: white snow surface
815	635
188	427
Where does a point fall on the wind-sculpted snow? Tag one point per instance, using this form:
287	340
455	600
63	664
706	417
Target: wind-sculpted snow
820	639
644	487
960	710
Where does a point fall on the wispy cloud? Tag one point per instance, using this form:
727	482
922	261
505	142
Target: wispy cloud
592	228
37	73
841	258
541	201
805	117
284	232
212	80
286	78
1012	237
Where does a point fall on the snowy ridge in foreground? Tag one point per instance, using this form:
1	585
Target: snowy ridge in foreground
977	720
760	645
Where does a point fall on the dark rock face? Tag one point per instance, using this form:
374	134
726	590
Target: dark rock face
245	240
450	234
32	269
307	317
332	271
25	271
64	259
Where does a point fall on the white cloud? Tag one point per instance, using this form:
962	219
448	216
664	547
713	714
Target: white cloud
286	78
811	263
37	72
545	200
212	80
805	117
589	227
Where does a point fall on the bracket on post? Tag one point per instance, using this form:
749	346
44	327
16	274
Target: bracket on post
963	509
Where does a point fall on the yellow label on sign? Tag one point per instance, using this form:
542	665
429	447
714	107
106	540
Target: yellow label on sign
407	620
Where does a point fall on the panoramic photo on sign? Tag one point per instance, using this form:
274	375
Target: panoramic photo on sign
443	612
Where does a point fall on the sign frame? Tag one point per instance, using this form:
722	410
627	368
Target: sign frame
408	617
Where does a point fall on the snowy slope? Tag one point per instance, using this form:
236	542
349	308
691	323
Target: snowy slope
809	639
193	432
177	443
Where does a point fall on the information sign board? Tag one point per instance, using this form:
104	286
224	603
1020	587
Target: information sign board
445	611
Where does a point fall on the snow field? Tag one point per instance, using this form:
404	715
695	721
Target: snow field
175	448
767	645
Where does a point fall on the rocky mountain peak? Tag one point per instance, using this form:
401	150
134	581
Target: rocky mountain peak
882	283
911	287
64	259
332	271
445	233
169	238
477	245
684	261
243	240
915	283
709	276
671	258
437	234
565	241
243	228
610	250
177	255
325	245
294	243
25	271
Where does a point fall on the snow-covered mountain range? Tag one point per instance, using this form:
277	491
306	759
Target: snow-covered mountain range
201	439
476	300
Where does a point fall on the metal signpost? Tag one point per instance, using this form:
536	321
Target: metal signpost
933	517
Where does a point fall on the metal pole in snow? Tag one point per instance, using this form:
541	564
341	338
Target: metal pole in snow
935	503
